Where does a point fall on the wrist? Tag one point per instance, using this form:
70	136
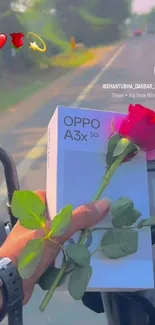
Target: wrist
11	292
3	254
6	253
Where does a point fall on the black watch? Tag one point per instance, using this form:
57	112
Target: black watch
12	291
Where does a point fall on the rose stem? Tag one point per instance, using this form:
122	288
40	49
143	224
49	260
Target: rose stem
50	292
107	179
105	183
109	174
63	269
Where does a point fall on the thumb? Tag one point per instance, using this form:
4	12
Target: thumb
86	216
90	214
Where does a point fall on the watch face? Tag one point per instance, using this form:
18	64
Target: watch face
4	262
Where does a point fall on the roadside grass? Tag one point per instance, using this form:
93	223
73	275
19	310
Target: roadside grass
33	82
48	72
72	59
11	98
64	62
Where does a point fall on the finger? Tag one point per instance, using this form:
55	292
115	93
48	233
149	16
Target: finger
41	194
28	290
86	216
90	214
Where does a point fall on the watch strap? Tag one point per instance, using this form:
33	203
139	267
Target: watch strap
3	310
15	315
13	293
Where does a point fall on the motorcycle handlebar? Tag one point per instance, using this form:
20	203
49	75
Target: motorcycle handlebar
11	179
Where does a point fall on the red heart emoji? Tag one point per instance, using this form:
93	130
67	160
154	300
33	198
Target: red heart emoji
3	40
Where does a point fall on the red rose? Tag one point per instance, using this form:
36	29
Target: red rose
139	127
17	40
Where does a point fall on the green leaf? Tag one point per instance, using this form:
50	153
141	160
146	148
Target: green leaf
122	205
47	279
61	221
124	213
127	219
30	258
29	209
146	223
112	143
78	281
79	254
121	147
119	243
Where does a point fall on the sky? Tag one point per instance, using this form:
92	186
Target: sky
143	5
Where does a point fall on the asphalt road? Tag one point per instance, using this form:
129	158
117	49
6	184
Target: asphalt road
132	64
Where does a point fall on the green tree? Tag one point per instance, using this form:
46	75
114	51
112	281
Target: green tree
151	16
94	21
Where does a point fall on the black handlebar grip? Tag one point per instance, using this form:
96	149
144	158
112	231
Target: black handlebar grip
11	179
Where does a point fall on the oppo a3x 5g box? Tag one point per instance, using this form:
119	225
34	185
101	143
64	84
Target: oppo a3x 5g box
76	164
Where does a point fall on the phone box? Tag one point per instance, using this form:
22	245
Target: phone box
77	144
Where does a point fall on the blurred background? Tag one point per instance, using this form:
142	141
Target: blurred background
91	22
89	43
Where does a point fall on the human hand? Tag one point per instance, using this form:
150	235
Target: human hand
83	217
